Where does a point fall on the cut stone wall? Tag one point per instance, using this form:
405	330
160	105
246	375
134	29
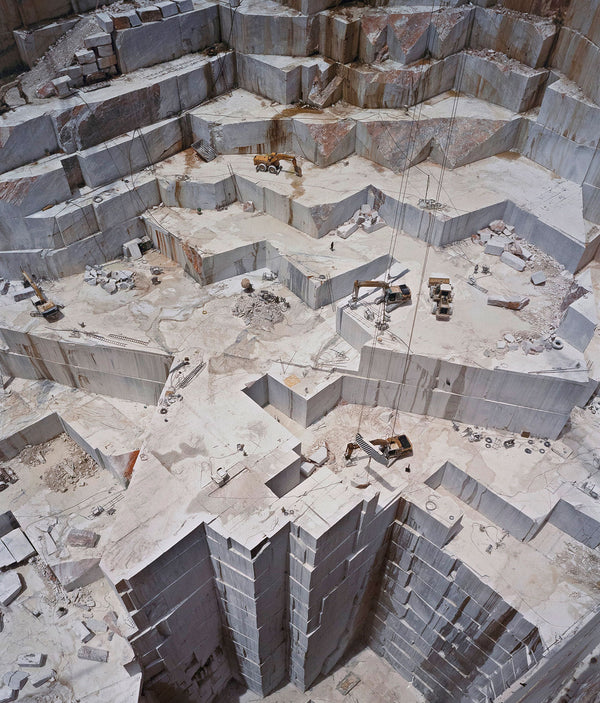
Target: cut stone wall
157	42
121	373
488	397
180	642
441	626
39	432
286	609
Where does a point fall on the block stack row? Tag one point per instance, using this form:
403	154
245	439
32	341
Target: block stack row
252	585
150	13
440	625
330	584
70	140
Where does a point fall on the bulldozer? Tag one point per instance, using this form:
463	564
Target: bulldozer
441	292
385	451
392	295
46	308
271	163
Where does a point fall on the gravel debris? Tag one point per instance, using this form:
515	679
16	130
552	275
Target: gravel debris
261	310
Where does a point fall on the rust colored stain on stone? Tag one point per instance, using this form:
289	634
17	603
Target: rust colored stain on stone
16	191
297	110
410	28
373	26
128	473
193	256
328	136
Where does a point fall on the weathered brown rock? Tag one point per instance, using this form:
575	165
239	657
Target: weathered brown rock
82	538
514	302
150	14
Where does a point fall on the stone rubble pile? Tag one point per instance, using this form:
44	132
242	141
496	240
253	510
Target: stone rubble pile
529	344
110	281
366	218
96	62
500	240
70	472
262	309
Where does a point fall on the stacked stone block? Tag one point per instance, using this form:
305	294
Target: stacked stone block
440	625
179	643
96	62
252	586
330	585
162	32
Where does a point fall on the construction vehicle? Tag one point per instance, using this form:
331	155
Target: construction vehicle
46	308
441	292
386	451
271	162
392	295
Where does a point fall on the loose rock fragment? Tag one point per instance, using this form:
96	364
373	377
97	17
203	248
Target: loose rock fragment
513	261
15	680
82	538
538	278
515	302
10	586
82	632
31	659
93	654
40	678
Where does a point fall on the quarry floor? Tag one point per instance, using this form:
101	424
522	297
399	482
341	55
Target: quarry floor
463	189
47	503
188	320
378	683
151	313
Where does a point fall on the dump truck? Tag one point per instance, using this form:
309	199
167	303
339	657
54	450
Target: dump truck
46	308
392	295
390	449
441	292
271	162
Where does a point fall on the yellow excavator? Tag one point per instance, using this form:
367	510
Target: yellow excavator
390	448
392	295
45	307
271	162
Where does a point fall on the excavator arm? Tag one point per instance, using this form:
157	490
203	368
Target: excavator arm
367	284
392	448
28	280
351	446
45	307
292	159
270	162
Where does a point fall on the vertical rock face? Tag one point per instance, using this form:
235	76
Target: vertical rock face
252	588
440	626
210	609
179	643
286	610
